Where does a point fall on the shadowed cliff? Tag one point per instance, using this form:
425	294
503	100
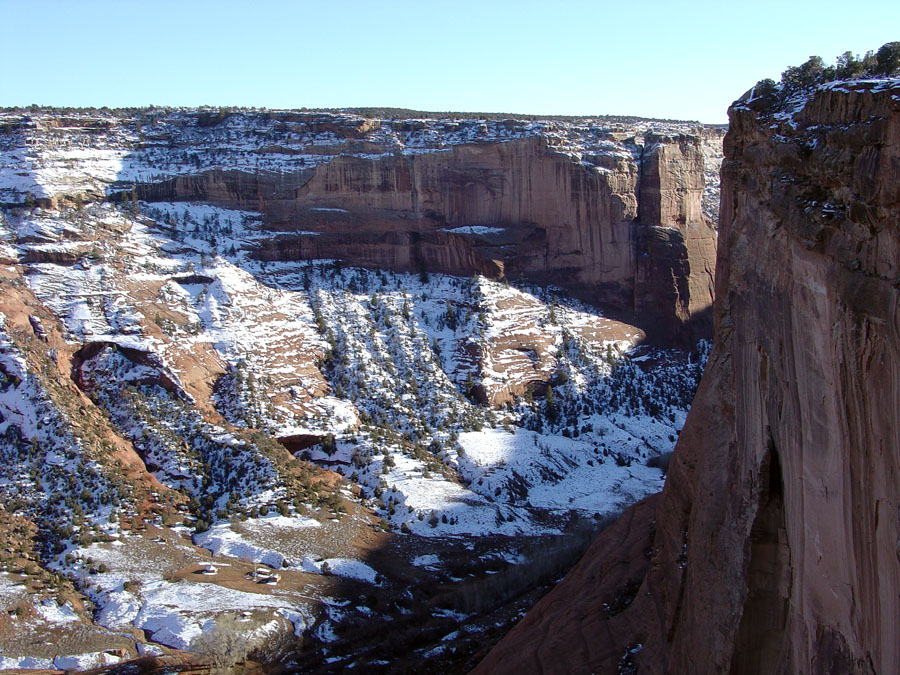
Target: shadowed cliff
773	546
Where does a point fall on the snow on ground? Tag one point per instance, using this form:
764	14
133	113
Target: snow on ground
132	592
176	613
96	151
398	349
383	368
52	628
342	567
437	506
325	632
29	662
70	662
555	472
200	458
221	539
429	560
210	307
85	661
481	230
41	453
11	592
225	539
51	612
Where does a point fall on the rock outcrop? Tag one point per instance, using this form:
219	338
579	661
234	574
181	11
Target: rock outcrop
616	218
615	211
773	547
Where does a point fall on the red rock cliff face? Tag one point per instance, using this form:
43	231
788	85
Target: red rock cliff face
775	545
625	230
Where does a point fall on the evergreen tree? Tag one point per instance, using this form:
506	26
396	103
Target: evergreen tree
550	407
450	318
797	78
887	59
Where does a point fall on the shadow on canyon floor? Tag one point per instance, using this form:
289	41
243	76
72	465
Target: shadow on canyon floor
442	619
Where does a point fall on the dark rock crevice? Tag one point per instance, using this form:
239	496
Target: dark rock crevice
760	641
791	445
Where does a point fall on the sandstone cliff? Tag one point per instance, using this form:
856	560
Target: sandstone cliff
774	545
624	228
156	378
614	212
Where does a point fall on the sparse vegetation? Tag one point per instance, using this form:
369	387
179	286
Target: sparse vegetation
885	62
381	377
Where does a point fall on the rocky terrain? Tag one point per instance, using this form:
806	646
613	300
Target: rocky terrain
612	211
774	544
302	376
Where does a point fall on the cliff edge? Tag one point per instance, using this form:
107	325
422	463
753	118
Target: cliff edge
775	544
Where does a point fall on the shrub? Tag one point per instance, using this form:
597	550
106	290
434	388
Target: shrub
847	66
797	78
223	646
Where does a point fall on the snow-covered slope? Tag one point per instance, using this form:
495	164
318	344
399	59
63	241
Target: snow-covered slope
196	432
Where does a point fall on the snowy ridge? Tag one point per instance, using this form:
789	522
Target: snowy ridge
401	355
42	456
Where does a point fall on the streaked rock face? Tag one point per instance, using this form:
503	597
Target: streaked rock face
152	356
773	547
613	213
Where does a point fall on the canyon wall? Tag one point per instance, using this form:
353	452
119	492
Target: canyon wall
616	220
775	544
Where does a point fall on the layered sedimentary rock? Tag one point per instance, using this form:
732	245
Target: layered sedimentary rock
774	544
611	211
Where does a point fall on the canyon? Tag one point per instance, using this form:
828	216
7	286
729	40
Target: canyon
334	374
773	546
618	213
312	376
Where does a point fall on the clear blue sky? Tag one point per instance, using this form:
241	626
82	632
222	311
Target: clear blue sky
655	59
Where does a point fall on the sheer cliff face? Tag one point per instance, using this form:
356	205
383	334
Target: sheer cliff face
809	321
617	220
775	545
613	211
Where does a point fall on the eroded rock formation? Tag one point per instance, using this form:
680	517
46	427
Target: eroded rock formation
617	220
615	211
774	546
